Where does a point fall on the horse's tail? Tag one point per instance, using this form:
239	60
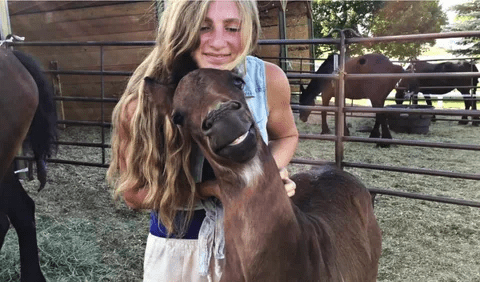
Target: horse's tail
42	135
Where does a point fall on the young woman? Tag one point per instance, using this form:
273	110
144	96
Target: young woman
154	172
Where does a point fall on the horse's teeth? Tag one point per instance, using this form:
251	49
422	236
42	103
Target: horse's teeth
239	139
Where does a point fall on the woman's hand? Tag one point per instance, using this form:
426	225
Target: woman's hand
290	186
134	198
207	189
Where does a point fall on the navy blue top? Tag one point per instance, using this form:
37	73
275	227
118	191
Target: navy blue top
192	233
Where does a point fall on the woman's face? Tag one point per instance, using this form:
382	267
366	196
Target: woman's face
220	40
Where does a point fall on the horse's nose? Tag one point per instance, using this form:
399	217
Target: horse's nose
219	111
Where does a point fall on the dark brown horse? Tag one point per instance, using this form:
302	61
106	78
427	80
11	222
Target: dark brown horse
326	232
466	85
28	112
375	89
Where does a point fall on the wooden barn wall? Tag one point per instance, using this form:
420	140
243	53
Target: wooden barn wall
86	21
120	21
297	17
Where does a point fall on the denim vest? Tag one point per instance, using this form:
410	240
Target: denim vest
256	93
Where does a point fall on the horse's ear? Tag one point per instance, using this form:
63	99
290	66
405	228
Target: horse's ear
157	93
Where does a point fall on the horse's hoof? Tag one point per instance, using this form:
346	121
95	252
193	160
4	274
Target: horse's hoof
326	132
383	145
463	122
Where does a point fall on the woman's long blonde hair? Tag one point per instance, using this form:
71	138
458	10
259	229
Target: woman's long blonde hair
159	156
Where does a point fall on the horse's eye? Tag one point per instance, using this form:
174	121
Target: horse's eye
178	118
238	82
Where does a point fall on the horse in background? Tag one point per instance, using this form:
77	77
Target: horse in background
375	89
28	114
326	232
441	85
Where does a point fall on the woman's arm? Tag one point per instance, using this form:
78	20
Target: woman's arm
282	131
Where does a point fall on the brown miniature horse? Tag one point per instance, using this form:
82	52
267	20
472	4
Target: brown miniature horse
375	89
443	85
326	232
27	111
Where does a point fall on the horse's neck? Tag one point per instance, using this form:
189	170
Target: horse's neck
259	222
266	191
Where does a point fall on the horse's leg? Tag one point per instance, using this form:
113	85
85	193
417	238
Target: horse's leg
415	99
346	131
375	133
4	222
475	120
380	120
468	103
428	100
21	213
4	226
325	102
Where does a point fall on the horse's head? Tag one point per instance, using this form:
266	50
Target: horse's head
305	100
209	105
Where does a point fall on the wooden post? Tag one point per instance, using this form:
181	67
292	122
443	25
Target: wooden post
57	91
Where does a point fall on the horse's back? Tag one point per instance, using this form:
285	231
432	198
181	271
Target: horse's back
18	102
345	205
327	188
375	89
441	83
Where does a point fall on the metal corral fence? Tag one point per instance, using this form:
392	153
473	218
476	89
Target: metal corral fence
340	109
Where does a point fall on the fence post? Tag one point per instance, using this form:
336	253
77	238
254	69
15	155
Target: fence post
340	104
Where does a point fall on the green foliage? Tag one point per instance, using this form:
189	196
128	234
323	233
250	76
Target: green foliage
329	14
468	18
379	18
407	17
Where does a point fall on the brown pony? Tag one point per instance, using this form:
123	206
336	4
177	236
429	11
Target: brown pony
375	89
28	111
326	232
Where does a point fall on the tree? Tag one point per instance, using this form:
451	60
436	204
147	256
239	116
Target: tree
407	17
468	18
379	18
331	14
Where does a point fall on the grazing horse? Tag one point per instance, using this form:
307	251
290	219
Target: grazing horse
375	89
28	113
441	85
326	232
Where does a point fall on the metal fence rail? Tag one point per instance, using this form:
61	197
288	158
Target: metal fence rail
341	109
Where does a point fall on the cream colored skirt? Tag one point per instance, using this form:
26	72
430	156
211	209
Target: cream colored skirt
176	260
